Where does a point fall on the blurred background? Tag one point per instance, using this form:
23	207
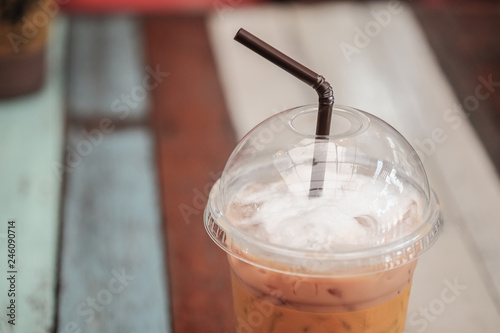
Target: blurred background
117	116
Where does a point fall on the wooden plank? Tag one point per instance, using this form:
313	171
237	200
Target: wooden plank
396	77
450	159
31	142
465	39
112	272
194	139
106	68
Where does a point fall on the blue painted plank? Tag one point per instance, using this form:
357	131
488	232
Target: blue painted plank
107	74
112	273
31	142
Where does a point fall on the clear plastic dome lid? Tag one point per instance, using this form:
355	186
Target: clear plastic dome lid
375	209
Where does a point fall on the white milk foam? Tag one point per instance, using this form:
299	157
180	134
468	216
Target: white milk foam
354	212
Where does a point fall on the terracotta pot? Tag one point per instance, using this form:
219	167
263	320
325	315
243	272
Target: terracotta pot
23	50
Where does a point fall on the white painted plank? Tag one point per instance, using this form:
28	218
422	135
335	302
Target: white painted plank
112	224
263	89
31	140
397	78
106	68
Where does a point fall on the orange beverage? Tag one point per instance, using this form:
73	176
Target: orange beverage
266	301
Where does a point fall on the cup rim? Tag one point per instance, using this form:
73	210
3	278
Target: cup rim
377	258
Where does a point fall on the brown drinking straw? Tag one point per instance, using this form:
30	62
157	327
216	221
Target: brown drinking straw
318	82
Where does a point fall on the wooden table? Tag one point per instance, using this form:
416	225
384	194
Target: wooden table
107	170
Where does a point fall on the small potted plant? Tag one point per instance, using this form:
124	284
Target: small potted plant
24	26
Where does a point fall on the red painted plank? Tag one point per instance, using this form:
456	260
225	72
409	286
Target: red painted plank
194	139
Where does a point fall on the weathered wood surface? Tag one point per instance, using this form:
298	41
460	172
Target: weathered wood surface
112	275
465	39
106	68
395	76
31	142
194	139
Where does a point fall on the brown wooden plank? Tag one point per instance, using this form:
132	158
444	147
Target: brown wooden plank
194	139
465	39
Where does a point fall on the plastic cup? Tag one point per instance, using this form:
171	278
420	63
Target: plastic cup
339	262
